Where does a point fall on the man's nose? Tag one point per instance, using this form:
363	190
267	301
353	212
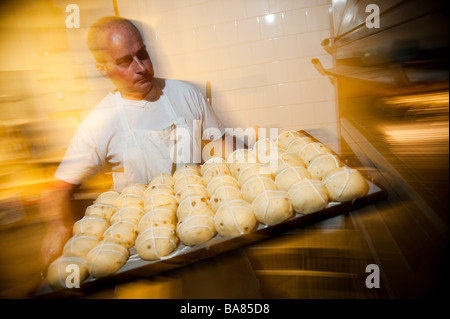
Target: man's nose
139	67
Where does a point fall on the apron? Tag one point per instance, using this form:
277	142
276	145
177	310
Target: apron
147	153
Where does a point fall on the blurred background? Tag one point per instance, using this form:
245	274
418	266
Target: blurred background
377	96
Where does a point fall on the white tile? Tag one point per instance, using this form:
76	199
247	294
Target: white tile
248	29
234	10
317	90
241	55
302	115
325	112
254	75
271	25
212	12
205	37
289	93
232	79
280	5
309	44
308	3
285	47
263	51
226	34
318	18
220	58
295	21
277	72
302	69
257	7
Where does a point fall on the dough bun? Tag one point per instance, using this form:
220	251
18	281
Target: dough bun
106	258
124	232
309	196
345	184
100	211
272	207
290	176
91	225
80	244
153	243
235	218
58	272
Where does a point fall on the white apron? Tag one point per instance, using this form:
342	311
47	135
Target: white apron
147	153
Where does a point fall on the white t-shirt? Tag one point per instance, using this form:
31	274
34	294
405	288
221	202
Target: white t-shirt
96	141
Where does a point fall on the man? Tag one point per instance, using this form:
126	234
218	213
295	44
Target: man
132	129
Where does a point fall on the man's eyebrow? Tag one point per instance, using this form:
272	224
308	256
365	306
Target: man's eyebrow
128	57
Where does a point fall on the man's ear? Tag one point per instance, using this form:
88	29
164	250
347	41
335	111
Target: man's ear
101	67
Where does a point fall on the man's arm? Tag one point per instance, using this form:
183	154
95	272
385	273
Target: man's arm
55	211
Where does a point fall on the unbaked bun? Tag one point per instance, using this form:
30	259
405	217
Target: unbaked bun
67	272
91	225
235	218
186	169
191	190
157	188
322	165
221	181
286	137
100	211
252	170
285	160
291	175
272	207
124	232
128	200
240	159
107	198
129	213
154	243
160	200
345	184
162	178
184	180
216	170
212	162
158	217
312	150
309	196
196	229
80	244
255	186
297	144
223	194
106	258
135	188
191	203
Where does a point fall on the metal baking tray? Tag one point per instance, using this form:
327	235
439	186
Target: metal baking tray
136	267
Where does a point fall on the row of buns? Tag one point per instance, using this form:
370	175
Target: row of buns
266	185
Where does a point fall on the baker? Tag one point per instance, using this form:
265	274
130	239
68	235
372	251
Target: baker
146	126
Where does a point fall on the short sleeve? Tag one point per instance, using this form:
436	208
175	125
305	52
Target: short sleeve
82	159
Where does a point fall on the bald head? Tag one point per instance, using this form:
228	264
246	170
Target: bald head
102	30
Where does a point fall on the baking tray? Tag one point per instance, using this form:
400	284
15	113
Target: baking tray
137	268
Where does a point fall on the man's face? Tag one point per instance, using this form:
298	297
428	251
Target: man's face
128	64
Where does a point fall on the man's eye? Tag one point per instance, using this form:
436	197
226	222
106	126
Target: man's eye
142	55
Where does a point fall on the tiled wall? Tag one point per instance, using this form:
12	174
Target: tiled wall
256	53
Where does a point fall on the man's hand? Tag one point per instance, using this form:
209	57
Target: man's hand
56	215
56	236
